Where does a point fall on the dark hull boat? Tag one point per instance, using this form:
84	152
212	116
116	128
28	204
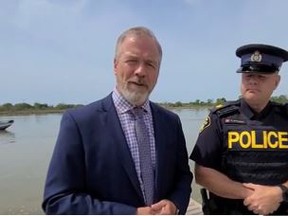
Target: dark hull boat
5	124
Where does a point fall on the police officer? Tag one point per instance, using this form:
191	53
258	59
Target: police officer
241	154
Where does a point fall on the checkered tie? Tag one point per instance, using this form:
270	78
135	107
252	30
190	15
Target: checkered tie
142	136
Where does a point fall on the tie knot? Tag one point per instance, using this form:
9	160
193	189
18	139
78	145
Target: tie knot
138	112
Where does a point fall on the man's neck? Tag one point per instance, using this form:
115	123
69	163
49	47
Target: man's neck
258	107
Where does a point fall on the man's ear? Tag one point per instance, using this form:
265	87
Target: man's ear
277	81
115	64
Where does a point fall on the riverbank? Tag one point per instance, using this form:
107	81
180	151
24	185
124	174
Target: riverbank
49	111
44	108
29	112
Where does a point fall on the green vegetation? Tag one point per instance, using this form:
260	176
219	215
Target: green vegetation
196	104
38	108
210	103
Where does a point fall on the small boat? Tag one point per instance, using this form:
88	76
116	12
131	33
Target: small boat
5	124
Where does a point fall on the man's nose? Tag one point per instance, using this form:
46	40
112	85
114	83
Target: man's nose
253	79
140	70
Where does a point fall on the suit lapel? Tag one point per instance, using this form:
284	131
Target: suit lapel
117	133
159	131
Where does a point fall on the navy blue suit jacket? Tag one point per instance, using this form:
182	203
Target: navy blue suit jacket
92	171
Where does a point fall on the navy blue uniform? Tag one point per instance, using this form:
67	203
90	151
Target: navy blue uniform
248	147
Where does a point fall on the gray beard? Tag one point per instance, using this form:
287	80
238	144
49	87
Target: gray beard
135	98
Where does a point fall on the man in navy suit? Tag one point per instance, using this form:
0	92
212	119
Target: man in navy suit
96	166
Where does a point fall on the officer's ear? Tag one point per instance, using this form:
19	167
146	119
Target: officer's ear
277	80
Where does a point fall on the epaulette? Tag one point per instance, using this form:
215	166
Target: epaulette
282	108
286	107
226	109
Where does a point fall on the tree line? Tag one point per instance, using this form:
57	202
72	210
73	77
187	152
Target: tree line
44	107
210	103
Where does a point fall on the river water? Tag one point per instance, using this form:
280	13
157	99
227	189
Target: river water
25	152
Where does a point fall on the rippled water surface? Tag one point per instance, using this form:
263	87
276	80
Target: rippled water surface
25	151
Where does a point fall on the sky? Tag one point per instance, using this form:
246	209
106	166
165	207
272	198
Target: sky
61	51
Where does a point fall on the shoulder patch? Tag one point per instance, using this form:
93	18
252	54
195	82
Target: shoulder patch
219	106
226	109
205	124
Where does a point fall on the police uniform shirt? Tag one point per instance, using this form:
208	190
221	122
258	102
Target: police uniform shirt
243	145
208	148
211	144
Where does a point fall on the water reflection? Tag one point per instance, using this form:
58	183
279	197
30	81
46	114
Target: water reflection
7	137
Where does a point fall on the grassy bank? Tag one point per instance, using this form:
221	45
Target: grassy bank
29	112
47	111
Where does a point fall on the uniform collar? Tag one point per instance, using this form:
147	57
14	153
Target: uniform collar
249	112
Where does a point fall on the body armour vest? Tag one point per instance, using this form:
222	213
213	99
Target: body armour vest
254	150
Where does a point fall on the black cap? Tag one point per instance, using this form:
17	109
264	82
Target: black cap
260	58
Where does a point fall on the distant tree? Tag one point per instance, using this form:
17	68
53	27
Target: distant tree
40	106
197	102
63	106
7	107
178	104
22	106
220	101
280	99
209	101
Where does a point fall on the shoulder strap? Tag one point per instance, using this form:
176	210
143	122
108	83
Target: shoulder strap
227	109
283	108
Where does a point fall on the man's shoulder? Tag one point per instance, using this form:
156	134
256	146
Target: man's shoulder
227	108
156	108
100	105
280	107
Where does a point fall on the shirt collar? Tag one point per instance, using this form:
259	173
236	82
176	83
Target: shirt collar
123	106
253	115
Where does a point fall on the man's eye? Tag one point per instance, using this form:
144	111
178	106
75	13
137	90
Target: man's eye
261	77
131	61
151	65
